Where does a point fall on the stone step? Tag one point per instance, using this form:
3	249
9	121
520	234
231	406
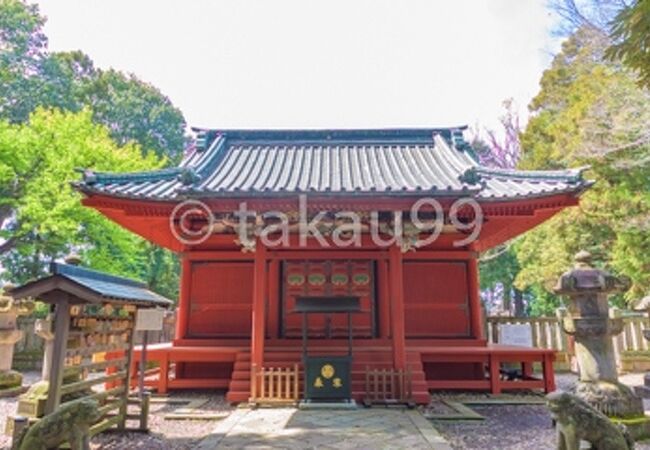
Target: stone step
419	396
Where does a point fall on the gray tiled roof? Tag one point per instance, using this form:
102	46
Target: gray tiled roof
240	163
110	286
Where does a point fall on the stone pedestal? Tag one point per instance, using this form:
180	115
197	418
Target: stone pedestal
8	338
588	320
10	380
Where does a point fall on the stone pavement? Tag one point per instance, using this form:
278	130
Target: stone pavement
289	428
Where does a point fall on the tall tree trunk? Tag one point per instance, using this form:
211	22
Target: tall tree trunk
8	245
520	307
507	300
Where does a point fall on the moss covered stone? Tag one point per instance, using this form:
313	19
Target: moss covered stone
10	379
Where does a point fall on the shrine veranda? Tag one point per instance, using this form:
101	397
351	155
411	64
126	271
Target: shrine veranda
418	307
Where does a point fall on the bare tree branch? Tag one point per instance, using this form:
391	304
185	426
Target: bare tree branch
596	14
611	151
489	256
8	245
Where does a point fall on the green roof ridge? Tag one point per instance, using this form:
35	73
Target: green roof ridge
91	177
75	271
571	175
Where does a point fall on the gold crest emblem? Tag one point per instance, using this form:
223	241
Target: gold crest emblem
327	371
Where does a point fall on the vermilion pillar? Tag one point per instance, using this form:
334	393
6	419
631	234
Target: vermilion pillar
397	306
183	310
384	298
274	300
259	305
475	299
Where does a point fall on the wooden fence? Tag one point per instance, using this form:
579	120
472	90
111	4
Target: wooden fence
547	333
275	385
388	387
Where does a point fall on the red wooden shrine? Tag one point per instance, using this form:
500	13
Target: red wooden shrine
420	306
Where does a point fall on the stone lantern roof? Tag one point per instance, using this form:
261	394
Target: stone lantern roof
585	278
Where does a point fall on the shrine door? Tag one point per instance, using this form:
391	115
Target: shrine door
330	279
221	299
436	302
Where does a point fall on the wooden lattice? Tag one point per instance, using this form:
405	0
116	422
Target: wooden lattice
275	385
389	387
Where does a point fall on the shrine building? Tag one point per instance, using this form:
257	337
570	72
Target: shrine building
256	290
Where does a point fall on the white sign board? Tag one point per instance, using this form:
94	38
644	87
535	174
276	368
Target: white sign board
516	334
149	319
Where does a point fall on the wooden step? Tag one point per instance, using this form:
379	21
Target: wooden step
234	397
241	375
198	383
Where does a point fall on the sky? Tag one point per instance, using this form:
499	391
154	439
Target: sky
319	64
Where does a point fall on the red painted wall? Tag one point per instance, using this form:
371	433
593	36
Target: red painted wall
221	296
436	299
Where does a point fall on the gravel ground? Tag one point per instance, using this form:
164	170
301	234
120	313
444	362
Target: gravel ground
507	427
510	427
167	434
8	407
164	434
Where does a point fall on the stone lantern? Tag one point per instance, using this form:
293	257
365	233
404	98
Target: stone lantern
10	380
587	319
43	329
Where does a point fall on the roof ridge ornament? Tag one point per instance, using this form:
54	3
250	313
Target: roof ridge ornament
458	140
471	176
203	140
188	177
88	176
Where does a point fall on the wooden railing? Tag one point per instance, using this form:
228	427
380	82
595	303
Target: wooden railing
275	385
631	339
547	333
388	386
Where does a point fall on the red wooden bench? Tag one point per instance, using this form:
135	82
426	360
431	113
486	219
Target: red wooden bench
491	356
166	355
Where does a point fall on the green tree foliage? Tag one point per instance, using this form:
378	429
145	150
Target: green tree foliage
136	111
22	46
498	270
590	111
43	214
44	218
542	302
132	112
631	34
30	76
